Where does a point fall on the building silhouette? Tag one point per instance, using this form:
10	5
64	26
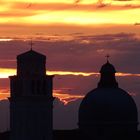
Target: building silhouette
31	99
106	112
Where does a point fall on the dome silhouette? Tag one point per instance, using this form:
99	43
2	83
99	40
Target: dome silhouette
106	104
108	108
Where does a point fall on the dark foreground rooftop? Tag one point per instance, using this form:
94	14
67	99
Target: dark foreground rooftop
75	134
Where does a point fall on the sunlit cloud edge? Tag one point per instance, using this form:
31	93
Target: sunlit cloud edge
6	72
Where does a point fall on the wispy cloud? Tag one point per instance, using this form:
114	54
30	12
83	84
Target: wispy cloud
5	73
80	7
73	12
66	97
79	52
60	94
5	39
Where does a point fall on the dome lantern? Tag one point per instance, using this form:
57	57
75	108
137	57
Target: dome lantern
107	79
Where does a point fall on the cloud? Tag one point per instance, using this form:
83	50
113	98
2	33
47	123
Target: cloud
69	115
69	54
80	7
123	0
6	72
66	98
79	51
79	56
23	13
21	9
16	13
5	115
77	1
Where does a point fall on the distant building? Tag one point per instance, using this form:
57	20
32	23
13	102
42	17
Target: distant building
108	110
31	99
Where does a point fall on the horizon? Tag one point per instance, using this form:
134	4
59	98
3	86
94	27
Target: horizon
75	35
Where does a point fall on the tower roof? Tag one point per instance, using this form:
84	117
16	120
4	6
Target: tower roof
31	63
31	53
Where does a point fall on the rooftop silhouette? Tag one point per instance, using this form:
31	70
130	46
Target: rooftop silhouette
31	99
106	112
107	109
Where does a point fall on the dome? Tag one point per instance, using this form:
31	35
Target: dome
108	107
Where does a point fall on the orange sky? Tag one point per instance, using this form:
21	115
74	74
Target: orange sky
65	98
75	35
31	18
25	15
61	94
6	72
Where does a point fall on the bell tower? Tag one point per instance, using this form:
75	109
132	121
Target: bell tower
31	99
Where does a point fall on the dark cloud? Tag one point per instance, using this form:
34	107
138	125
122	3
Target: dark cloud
16	13
68	113
123	0
79	52
51	7
4	84
136	24
77	1
13	30
4	117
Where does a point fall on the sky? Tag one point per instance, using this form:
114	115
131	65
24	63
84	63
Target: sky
75	35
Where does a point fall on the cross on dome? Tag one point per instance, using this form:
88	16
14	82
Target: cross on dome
107	57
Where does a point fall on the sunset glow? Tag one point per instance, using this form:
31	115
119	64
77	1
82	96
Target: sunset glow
77	37
83	12
65	98
5	73
5	39
62	94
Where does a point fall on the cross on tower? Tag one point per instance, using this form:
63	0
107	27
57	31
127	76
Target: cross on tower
31	44
107	57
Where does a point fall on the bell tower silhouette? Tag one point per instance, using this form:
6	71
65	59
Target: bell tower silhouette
31	99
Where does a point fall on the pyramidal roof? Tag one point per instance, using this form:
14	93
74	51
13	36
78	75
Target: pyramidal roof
30	53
